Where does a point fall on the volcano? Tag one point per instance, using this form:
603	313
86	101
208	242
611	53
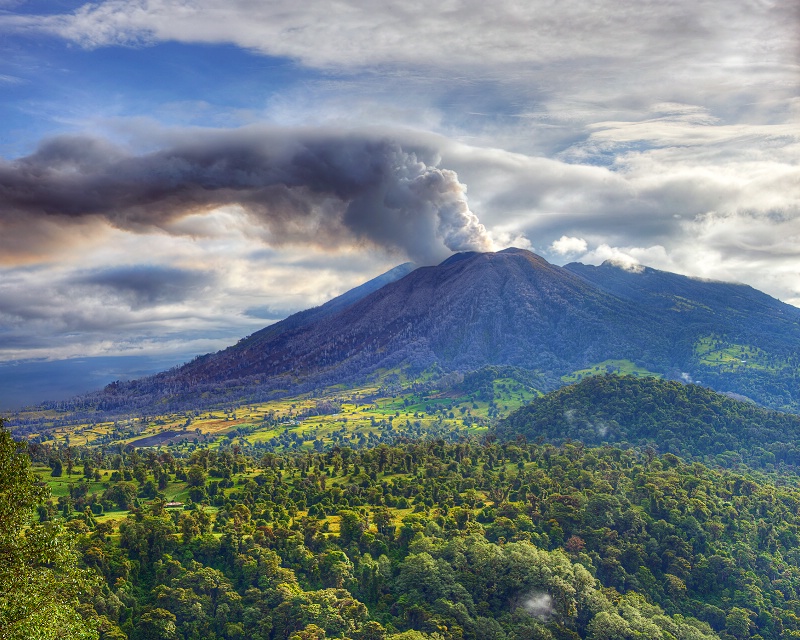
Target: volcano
506	308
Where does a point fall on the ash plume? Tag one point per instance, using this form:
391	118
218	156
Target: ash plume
329	189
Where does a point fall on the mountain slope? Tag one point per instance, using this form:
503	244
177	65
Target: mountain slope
332	306
730	336
510	307
506	308
725	307
686	420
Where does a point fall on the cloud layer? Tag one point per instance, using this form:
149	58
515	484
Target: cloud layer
550	63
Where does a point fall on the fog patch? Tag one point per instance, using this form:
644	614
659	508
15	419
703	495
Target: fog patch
601	428
539	605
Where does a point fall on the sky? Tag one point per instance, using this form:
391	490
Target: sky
176	174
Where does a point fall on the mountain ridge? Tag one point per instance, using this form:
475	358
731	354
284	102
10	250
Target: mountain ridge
506	308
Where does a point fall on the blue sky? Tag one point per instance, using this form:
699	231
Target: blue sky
168	166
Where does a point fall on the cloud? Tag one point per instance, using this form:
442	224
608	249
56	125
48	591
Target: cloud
149	285
418	32
568	62
566	245
97	301
322	188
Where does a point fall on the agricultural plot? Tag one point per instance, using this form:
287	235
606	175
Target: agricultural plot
362	416
717	353
619	367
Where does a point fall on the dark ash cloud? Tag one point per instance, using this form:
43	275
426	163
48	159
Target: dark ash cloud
328	189
150	285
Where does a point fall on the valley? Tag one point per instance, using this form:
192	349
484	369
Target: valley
394	406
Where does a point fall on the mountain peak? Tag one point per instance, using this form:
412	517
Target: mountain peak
630	267
512	308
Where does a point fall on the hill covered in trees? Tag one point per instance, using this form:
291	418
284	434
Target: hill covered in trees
672	417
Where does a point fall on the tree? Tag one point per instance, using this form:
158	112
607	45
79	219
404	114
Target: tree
738	622
351	526
196	476
39	578
122	494
156	624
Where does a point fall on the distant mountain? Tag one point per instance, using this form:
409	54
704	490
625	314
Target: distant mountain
736	310
672	417
506	308
309	316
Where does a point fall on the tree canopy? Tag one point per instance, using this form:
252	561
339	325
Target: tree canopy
40	581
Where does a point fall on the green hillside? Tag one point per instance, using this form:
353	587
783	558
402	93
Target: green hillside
683	419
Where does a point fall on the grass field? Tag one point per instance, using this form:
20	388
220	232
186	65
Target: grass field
714	352
358	414
622	367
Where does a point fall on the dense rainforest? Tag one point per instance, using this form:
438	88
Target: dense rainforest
685	419
423	540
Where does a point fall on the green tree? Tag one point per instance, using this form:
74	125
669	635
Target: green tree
351	526
738	622
39	579
156	624
196	476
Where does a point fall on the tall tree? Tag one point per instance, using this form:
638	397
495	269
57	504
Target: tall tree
40	581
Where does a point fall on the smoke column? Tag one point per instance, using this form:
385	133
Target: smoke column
327	189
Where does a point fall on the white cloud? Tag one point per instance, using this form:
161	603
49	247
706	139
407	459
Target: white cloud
57	310
563	61
663	134
566	245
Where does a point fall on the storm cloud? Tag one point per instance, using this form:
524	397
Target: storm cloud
648	133
331	190
149	285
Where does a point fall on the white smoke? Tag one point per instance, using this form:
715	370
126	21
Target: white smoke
539	605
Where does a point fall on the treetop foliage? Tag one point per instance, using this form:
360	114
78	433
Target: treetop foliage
39	576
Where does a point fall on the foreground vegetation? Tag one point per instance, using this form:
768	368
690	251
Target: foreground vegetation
425	539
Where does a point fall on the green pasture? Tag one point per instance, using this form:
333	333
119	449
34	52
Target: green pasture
714	352
620	367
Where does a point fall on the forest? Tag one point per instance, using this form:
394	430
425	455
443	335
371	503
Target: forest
422	539
688	420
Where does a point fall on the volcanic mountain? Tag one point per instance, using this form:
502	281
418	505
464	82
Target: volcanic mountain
506	308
